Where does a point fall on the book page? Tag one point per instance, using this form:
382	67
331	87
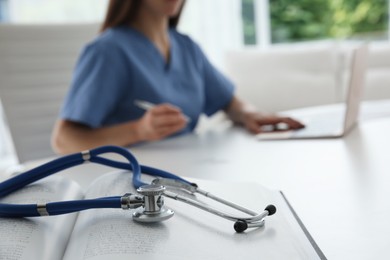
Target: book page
191	233
38	237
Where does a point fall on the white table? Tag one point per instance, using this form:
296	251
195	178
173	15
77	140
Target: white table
339	187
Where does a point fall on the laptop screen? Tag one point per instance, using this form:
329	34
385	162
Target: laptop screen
355	90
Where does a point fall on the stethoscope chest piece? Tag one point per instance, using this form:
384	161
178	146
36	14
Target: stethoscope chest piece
153	209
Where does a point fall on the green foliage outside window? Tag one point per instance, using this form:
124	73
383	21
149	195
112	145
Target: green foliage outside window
301	20
248	22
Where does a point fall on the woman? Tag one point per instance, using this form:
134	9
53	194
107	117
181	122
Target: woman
140	56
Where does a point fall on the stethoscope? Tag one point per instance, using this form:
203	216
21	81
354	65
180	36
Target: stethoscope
148	203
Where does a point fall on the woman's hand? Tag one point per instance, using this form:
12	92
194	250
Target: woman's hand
161	121
257	123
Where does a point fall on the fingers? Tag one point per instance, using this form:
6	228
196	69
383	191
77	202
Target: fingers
165	109
167	115
259	123
162	121
165	131
275	123
168	123
292	123
274	120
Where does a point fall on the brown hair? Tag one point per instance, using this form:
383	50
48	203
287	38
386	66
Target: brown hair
123	12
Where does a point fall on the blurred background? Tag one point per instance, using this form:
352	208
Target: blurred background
301	41
233	23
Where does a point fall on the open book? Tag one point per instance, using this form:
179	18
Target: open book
112	234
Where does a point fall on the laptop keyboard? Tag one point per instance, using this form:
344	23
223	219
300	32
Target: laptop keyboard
327	123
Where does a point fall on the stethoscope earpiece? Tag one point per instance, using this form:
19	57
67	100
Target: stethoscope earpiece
242	225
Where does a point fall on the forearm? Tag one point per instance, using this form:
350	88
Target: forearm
237	110
69	137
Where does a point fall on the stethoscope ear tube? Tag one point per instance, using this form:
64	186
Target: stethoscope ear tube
19	181
55	208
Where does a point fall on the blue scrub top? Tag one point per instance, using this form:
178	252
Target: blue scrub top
122	65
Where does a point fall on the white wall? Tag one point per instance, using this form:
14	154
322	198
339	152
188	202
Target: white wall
215	24
56	11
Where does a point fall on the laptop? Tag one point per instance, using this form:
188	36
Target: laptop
335	120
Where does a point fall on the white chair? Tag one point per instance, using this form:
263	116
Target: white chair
36	65
292	76
378	76
285	77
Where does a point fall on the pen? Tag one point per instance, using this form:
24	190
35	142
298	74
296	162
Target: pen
147	105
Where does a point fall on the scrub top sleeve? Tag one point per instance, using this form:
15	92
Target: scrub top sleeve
97	86
219	90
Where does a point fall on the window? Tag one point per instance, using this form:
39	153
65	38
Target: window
303	20
248	22
283	21
3	10
263	22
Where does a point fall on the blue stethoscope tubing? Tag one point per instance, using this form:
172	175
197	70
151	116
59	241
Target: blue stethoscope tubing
64	207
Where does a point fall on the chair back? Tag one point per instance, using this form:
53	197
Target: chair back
36	65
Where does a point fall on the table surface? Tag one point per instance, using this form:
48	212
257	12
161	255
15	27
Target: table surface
339	187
